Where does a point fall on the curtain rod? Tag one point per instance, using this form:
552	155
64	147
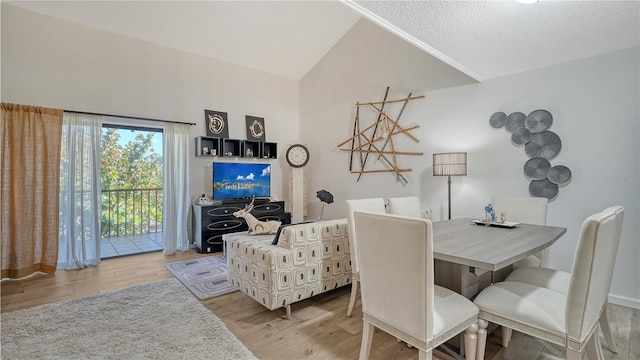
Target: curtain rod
128	117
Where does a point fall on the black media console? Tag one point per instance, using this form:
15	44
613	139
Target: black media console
210	222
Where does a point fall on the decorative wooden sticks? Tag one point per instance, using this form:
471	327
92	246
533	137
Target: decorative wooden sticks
376	137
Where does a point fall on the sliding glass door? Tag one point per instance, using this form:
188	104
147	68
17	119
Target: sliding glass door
131	166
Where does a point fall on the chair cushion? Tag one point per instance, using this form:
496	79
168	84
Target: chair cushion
528	304
555	280
450	310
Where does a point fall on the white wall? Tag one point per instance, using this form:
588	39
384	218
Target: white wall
594	102
54	63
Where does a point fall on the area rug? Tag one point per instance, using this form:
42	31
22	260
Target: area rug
205	277
158	320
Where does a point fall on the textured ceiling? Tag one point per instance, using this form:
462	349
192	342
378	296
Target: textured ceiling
483	39
487	39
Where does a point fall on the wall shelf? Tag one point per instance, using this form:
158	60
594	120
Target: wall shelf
251	149
218	147
231	147
269	150
207	146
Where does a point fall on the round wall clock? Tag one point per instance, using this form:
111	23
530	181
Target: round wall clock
297	155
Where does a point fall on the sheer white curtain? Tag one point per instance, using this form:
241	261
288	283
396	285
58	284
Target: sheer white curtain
176	188
80	192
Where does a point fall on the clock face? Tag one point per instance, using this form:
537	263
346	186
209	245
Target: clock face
298	155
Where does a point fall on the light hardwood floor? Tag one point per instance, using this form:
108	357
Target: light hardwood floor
319	329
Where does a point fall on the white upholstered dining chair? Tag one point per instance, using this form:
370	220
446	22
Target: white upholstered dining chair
569	319
558	280
397	289
528	210
406	206
375	205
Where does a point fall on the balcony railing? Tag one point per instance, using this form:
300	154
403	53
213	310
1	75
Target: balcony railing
131	212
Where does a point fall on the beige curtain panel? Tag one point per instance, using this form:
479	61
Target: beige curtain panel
30	189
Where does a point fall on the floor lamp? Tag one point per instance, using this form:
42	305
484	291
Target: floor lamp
450	164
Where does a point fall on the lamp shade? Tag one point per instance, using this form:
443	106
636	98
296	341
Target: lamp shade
450	164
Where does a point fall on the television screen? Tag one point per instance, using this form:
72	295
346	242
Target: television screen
233	181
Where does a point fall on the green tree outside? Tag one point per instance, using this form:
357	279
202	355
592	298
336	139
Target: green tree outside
131	182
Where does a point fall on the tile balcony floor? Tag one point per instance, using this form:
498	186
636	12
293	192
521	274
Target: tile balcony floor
130	245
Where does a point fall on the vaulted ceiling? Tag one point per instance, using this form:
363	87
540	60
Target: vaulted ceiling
483	39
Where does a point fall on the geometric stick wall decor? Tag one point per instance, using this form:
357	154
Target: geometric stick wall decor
540	145
375	140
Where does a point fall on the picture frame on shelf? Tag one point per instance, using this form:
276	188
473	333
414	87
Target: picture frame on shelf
255	128
216	124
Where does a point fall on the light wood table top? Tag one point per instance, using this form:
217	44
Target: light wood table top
488	247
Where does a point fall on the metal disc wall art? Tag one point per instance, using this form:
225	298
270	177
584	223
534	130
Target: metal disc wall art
540	145
515	120
547	144
559	174
498	120
536	168
538	121
521	136
543	188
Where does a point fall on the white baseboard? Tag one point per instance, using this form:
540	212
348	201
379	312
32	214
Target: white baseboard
624	301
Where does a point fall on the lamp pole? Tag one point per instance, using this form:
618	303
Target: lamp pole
449	183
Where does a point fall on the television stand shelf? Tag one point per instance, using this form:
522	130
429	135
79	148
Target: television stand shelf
210	222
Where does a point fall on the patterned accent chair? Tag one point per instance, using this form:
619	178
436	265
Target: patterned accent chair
307	260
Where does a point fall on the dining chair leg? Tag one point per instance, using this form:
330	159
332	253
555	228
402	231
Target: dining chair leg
482	339
354	293
367	339
471	342
594	348
600	354
574	355
425	355
606	331
506	336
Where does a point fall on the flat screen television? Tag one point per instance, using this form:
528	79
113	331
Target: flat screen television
235	181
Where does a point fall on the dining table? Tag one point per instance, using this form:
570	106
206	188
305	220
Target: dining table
470	254
469	257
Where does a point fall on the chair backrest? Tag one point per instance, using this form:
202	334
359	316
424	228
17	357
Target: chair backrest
528	210
397	279
374	205
406	206
592	270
